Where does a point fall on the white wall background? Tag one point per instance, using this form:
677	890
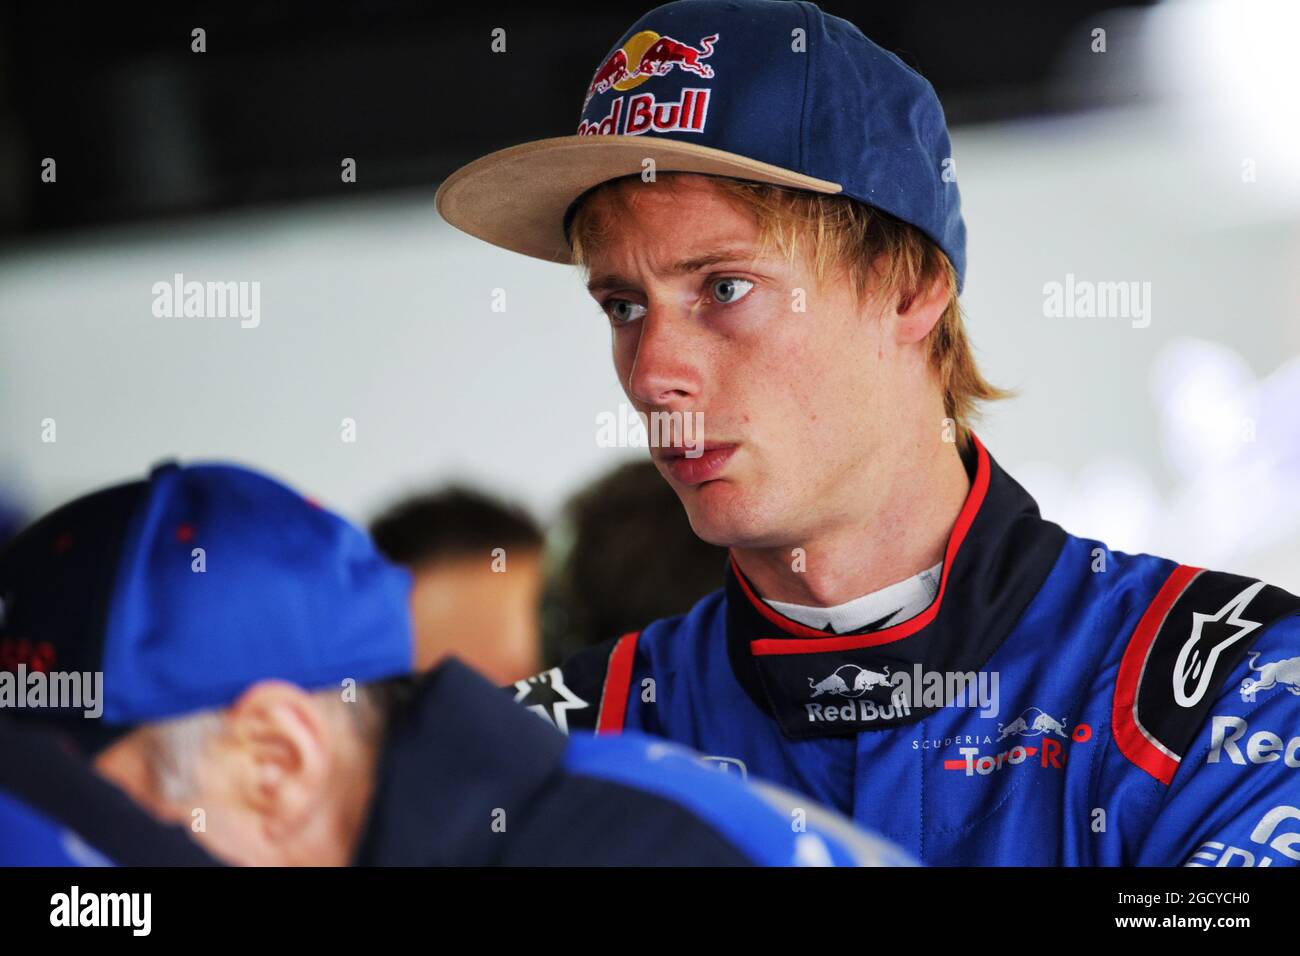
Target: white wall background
378	311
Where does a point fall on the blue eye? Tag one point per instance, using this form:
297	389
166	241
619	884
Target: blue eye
623	311
730	289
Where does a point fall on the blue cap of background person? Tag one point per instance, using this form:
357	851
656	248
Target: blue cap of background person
188	587
774	91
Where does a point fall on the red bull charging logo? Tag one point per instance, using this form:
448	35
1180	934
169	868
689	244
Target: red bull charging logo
644	55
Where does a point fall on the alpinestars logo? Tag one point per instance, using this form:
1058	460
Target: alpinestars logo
1211	635
1049	752
547	695
1283	673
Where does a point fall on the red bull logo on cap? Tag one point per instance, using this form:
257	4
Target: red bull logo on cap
644	55
648	54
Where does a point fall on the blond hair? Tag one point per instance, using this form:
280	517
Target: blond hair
873	248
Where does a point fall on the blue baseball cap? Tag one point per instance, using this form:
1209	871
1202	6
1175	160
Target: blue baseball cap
186	588
773	91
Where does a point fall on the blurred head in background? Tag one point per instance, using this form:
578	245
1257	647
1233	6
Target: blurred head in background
629	556
478	579
223	650
283	776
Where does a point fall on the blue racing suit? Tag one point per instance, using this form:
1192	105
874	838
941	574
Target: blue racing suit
1058	703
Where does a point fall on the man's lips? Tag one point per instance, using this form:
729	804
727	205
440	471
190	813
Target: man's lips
694	471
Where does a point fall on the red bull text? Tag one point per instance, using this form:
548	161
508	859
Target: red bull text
644	114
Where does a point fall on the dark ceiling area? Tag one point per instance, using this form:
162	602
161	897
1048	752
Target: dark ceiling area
140	126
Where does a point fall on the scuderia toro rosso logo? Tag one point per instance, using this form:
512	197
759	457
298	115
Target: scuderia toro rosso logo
644	55
1037	737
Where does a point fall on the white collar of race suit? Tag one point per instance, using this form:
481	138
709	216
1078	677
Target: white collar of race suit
890	605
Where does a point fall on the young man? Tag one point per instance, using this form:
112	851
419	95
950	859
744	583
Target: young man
763	203
205	667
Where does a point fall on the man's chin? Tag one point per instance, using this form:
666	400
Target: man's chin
720	515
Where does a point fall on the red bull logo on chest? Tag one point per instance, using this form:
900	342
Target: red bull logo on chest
853	682
644	55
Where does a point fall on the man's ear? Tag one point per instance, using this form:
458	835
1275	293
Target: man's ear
917	317
280	742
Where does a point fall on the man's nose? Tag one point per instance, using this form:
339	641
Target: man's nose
665	368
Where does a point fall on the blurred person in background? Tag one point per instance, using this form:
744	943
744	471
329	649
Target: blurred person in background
222	644
206	667
477	564
626	555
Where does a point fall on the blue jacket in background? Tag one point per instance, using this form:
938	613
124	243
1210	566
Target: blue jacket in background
470	779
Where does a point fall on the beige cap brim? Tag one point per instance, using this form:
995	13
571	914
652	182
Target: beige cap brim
516	198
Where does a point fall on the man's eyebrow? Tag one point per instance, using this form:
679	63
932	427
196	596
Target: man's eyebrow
611	280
